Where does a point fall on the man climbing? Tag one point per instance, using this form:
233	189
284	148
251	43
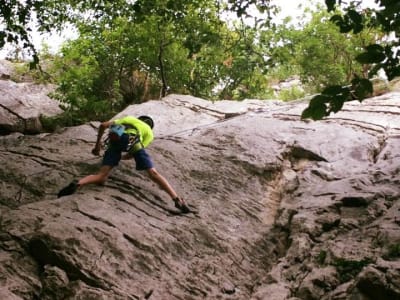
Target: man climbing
131	135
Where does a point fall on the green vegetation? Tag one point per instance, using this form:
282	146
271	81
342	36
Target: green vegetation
51	124
292	93
348	269
382	54
320	54
321	257
393	252
129	52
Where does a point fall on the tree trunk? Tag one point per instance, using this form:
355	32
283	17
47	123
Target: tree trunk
164	87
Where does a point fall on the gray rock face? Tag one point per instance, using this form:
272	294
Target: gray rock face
22	104
288	209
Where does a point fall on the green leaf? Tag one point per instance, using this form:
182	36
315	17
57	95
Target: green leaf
2	38
336	104
316	112
375	48
355	16
385	23
345	28
392	71
357	28
362	88
374	54
330	4
370	57
391	9
336	19
333	90
317	109
318	99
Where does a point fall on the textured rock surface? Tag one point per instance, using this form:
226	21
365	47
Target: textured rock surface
288	209
22	104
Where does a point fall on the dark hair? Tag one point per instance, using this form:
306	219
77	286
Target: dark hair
149	121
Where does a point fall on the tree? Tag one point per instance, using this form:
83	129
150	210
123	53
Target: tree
172	52
20	18
192	51
242	73
317	52
382	56
172	15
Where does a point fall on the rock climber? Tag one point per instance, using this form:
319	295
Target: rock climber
128	137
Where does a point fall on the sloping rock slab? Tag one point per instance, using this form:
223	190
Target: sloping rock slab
286	208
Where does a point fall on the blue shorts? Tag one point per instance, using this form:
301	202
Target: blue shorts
143	160
113	155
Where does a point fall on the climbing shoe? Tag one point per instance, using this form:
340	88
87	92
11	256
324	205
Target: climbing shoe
181	205
69	189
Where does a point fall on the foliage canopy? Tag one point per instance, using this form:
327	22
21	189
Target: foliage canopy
185	46
383	55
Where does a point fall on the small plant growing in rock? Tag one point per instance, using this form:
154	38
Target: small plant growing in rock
321	257
50	124
348	269
393	252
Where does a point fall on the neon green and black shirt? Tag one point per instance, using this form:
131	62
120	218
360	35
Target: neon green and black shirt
135	126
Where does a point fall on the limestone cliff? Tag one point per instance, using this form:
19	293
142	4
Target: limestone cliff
287	209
